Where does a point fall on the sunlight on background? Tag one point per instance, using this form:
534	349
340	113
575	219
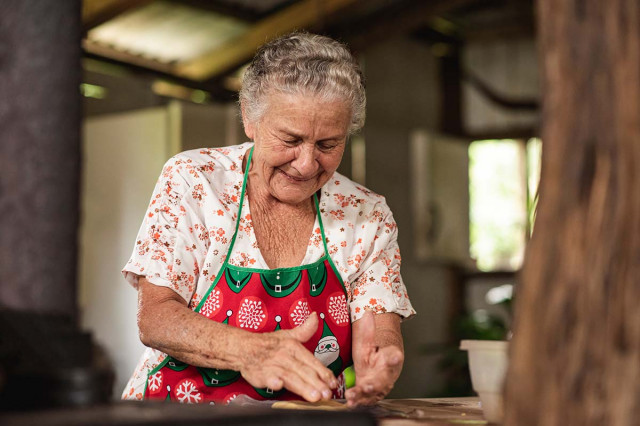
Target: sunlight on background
534	157
503	180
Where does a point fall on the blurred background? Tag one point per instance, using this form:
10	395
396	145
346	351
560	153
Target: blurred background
450	140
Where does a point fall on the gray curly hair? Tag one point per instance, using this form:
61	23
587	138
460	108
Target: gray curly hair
303	63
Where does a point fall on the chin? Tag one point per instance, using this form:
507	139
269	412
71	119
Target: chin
292	197
294	193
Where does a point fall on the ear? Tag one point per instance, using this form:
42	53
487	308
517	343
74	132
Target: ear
249	127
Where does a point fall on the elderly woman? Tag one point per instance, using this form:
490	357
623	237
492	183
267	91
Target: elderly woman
260	270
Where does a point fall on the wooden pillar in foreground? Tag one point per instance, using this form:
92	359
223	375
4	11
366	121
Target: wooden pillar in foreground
40	113
575	356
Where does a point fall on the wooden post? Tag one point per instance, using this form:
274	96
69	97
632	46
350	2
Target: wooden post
40	113
575	356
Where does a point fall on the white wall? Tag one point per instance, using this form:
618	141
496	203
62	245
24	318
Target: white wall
123	156
403	95
210	125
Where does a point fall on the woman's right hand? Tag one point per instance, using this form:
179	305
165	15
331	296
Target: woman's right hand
279	359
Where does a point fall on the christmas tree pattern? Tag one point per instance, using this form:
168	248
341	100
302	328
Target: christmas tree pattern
266	392
216	377
328	350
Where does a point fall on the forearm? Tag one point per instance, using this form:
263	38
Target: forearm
378	355
388	331
167	324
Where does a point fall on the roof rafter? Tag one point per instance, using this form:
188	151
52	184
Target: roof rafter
96	12
239	50
399	18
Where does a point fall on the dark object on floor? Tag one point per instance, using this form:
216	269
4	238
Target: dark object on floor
45	362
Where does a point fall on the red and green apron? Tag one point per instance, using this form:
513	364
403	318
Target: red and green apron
261	301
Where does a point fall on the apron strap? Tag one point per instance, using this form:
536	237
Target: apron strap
241	202
324	238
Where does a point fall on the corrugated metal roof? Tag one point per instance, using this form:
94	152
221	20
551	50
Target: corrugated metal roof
167	32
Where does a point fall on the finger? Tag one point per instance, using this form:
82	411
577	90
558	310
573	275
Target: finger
357	397
380	382
387	362
311	366
363	395
364	335
306	330
392	355
351	395
264	377
310	376
296	384
275	382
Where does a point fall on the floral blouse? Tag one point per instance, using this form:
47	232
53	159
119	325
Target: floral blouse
187	229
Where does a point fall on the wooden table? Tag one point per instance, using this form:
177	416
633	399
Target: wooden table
434	412
391	412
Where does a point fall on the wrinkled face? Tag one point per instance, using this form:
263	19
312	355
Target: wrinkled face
299	142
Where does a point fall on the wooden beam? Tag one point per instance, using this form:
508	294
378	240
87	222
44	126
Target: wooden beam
504	101
398	18
510	31
101	50
96	12
521	132
238	11
215	88
451	100
239	50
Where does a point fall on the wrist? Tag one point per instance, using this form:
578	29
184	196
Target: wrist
246	346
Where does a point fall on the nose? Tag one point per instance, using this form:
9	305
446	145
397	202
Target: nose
305	162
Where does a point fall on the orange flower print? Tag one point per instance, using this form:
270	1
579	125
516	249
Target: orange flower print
338	214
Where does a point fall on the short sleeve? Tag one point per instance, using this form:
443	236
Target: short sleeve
378	285
172	240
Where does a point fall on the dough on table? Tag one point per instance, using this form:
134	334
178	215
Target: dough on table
304	405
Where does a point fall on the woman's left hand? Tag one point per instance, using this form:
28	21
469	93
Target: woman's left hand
377	357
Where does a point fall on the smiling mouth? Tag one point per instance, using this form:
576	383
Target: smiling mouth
295	179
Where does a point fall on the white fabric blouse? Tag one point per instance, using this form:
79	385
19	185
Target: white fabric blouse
187	229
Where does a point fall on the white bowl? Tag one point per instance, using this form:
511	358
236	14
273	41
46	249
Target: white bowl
488	363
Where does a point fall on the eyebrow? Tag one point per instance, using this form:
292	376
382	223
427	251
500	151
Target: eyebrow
290	132
294	133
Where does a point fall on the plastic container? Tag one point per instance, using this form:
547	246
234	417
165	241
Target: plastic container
488	363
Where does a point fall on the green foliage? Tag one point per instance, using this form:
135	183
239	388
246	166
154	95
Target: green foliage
503	185
454	363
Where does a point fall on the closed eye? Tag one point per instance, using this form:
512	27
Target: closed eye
327	145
